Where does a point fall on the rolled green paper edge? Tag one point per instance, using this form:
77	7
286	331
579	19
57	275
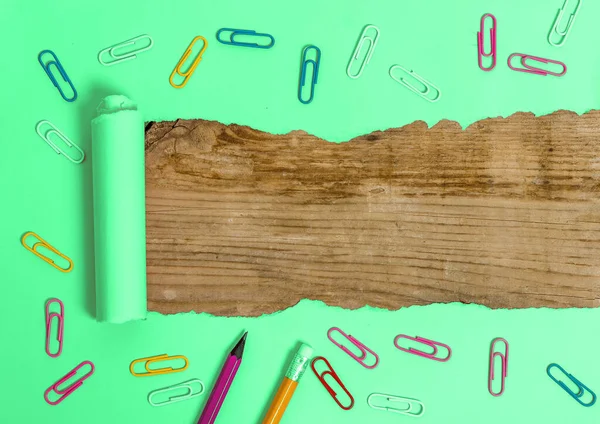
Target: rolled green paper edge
119	210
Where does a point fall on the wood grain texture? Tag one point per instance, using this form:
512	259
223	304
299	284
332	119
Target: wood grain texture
504	214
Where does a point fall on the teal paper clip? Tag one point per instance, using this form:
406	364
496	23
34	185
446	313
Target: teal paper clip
582	388
61	71
563	34
244	32
315	75
173	398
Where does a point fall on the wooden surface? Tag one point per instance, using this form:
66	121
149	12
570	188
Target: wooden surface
504	214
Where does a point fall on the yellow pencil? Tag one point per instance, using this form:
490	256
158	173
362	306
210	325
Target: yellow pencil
289	384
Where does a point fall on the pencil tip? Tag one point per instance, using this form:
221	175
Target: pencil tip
238	350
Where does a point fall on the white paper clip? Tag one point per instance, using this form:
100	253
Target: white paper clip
563	34
53	130
355	56
423	93
127	55
413	408
187	385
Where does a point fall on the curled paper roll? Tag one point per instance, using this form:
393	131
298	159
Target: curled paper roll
119	210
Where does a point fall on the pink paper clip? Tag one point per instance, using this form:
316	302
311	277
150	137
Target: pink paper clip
504	362
480	43
430	343
533	70
71	388
364	351
60	319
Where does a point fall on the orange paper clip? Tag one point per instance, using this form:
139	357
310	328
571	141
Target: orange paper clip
158	358
187	74
63	393
332	392
42	243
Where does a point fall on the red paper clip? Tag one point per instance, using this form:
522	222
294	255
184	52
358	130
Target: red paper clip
60	319
364	351
504	362
480	43
332	373
533	70
430	343
71	388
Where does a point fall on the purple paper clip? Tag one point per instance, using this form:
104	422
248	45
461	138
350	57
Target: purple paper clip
533	70
480	43
60	317
71	388
427	342
364	351
504	362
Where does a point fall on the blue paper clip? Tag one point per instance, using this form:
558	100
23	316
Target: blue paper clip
582	388
315	76
63	74
247	32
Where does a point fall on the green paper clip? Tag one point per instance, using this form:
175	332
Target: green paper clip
187	385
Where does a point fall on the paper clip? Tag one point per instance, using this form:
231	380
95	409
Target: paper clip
62	72
42	243
364	351
504	359
315	65
480	43
582	388
411	404
428	86
564	33
62	137
430	343
532	70
187	74
357	50
188	385
245	32
158	358
60	317
118	58
333	374
71	388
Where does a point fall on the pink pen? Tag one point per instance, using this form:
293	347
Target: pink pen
217	396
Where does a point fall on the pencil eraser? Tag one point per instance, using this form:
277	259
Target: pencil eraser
305	350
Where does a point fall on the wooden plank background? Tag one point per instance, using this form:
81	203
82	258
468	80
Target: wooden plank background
504	214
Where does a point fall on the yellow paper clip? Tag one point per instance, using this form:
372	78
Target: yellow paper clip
152	359
187	74
42	243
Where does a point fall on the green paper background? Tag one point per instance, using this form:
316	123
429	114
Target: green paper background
43	192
